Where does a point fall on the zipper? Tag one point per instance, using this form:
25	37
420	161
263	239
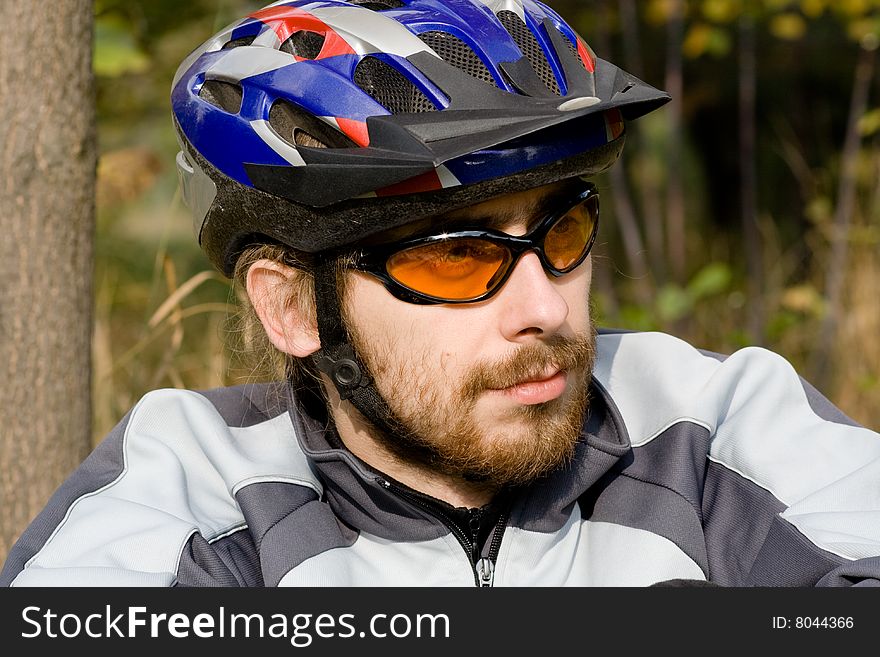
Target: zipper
483	567
486	566
485	571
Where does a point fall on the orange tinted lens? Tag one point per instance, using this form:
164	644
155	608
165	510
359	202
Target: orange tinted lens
456	269
569	237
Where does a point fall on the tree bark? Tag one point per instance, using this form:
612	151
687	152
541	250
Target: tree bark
47	188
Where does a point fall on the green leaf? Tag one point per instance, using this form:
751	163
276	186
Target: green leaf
638	318
868	382
788	26
719	43
703	38
813	8
721	11
116	52
781	322
712	279
673	303
819	210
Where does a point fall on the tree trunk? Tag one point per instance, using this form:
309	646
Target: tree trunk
624	208
629	26
843	214
47	185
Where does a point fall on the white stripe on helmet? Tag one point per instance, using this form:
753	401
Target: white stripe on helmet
246	61
273	141
516	6
385	34
447	179
267	38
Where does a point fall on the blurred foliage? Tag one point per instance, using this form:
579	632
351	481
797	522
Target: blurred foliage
163	314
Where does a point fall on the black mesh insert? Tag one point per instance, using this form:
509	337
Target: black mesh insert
225	95
573	49
304	44
390	88
378	5
241	41
530	47
456	52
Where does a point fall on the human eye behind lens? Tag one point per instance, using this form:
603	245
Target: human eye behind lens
453	268
569	232
566	224
460	258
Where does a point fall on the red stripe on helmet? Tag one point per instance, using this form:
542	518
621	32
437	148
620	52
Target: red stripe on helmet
285	21
334	45
426	182
586	57
356	130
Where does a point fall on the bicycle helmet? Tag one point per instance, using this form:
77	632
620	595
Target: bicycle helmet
318	124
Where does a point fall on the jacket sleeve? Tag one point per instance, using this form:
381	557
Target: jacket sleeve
784	486
148	507
805	476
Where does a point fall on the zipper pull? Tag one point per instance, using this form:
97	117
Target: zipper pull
485	571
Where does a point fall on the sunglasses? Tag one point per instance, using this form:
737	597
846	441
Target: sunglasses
467	266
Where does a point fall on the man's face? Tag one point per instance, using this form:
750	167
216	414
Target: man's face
493	391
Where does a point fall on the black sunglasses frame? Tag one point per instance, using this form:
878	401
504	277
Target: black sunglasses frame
374	261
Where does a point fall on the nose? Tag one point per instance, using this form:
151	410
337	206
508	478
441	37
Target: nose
531	302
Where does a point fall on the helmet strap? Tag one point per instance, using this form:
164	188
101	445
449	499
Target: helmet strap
337	357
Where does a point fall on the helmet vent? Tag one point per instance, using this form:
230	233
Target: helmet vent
573	49
299	128
225	95
530	47
241	41
456	52
390	88
303	138
304	44
378	5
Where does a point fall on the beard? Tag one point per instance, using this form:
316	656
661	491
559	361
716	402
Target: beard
436	417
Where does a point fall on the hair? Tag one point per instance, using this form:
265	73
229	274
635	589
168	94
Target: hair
259	356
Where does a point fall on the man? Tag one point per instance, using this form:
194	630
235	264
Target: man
402	188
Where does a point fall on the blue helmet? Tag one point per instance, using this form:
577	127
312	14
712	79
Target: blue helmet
320	123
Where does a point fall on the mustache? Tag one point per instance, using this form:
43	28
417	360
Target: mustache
530	362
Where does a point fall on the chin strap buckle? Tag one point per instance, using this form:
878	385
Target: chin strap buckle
345	371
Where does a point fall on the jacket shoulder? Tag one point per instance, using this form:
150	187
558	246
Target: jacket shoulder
656	380
762	423
170	469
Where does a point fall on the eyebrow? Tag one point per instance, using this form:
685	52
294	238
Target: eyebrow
533	212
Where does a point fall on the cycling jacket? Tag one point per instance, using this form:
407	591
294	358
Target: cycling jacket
690	466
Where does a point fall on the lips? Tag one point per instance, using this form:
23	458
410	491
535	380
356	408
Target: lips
537	389
538	377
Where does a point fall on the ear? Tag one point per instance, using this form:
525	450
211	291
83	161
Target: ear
290	327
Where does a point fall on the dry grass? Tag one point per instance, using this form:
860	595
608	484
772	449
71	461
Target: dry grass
857	348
